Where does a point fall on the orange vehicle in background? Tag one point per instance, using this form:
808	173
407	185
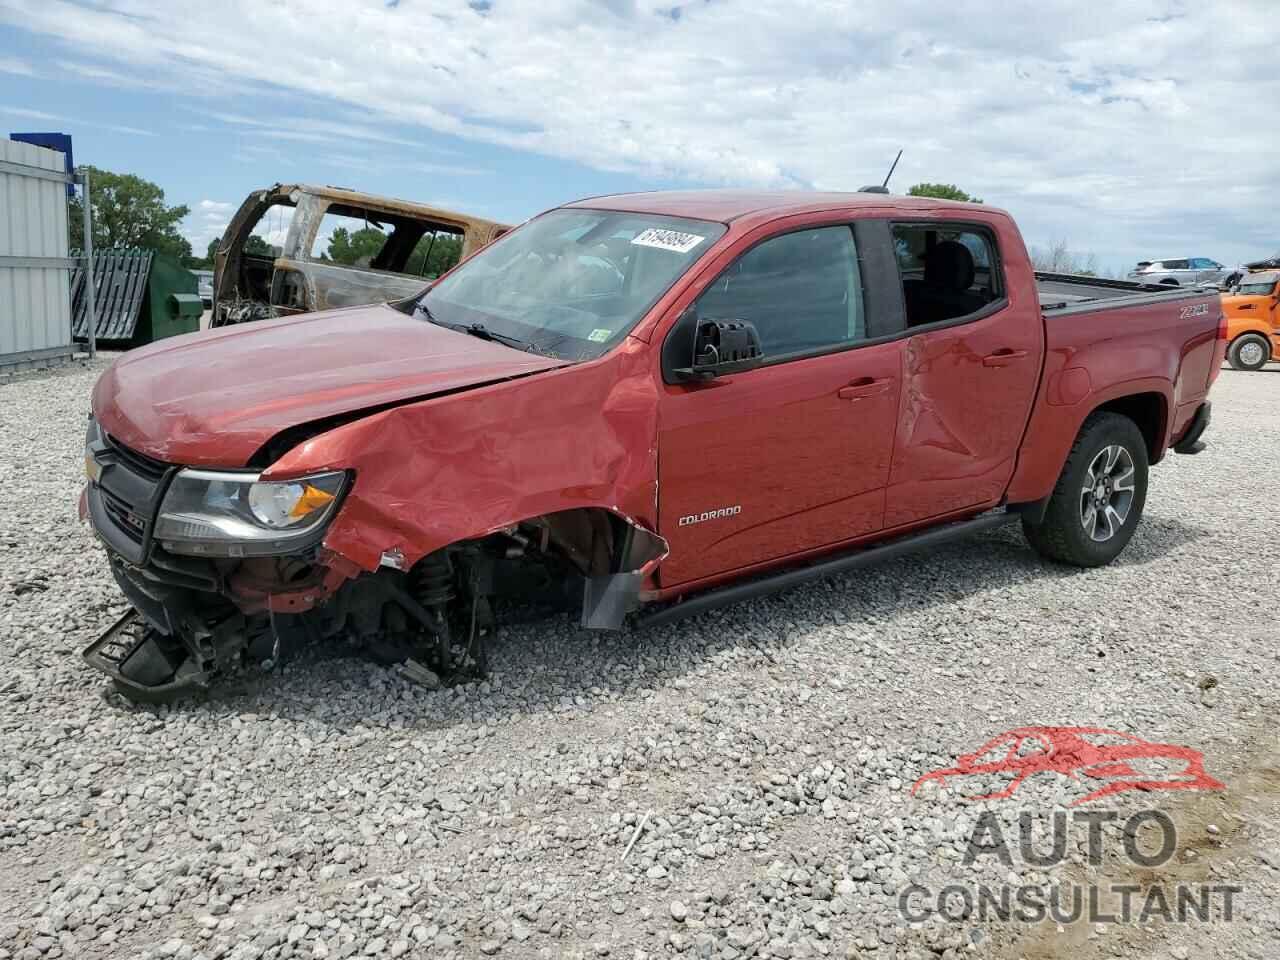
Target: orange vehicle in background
1253	321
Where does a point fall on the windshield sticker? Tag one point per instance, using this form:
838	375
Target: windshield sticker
599	335
672	240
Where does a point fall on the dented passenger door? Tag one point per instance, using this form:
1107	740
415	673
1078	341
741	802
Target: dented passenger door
971	365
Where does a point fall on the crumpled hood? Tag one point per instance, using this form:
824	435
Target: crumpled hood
214	398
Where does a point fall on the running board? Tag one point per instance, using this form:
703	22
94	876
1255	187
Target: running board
778	582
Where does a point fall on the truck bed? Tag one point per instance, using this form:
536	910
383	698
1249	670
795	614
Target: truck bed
1116	339
1062	291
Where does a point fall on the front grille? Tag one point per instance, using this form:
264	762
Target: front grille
126	497
126	521
139	463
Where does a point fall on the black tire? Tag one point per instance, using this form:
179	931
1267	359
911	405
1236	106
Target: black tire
1062	534
1242	358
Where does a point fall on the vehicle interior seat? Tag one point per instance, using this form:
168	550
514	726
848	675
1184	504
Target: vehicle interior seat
946	290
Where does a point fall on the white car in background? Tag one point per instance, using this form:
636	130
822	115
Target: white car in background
204	285
1184	272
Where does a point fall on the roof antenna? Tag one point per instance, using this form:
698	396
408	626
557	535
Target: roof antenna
884	187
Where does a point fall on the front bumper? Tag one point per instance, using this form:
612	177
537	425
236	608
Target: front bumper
192	617
145	666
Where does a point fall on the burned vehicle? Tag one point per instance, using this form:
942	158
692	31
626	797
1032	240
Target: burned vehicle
655	403
293	248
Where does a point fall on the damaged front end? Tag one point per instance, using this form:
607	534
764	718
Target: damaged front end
225	570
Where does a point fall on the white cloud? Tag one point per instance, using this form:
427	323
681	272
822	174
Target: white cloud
99	74
1123	133
28	113
121	128
207	221
14	65
308	129
42	115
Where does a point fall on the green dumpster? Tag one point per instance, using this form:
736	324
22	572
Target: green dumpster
139	295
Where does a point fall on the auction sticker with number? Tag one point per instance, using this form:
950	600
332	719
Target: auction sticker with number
667	240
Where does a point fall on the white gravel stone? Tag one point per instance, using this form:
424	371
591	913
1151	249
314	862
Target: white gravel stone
332	808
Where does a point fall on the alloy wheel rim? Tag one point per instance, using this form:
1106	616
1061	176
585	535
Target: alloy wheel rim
1251	353
1106	496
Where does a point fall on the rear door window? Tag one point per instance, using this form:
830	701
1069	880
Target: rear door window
802	291
949	272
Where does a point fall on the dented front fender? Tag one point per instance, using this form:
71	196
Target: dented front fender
462	466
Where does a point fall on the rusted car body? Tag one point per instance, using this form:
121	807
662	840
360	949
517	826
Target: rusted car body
263	272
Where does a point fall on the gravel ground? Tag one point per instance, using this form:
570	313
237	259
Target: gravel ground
760	758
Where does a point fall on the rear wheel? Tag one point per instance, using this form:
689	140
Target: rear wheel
1098	501
1249	352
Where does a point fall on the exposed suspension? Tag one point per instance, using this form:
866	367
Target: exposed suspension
433	584
432	580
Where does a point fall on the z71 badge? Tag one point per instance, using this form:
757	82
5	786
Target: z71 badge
1197	310
710	515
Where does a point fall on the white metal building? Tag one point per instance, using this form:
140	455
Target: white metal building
35	269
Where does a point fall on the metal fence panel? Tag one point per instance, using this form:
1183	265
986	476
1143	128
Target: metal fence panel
35	290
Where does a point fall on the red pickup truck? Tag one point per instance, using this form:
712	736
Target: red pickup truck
664	401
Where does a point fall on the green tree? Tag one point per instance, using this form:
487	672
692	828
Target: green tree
941	191
434	254
130	212
206	262
359	247
1060	258
256	246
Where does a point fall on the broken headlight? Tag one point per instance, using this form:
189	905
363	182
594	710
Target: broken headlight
218	513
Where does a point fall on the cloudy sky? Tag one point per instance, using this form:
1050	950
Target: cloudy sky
1127	129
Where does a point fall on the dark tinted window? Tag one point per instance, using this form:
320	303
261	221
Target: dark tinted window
948	272
802	291
1174	264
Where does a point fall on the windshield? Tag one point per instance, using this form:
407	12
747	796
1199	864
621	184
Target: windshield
572	282
1256	289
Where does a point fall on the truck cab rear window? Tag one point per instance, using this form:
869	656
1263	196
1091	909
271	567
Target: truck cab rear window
948	271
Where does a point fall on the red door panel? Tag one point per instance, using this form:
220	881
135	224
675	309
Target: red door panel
966	395
781	459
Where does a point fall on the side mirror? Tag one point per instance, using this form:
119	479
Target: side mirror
697	350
